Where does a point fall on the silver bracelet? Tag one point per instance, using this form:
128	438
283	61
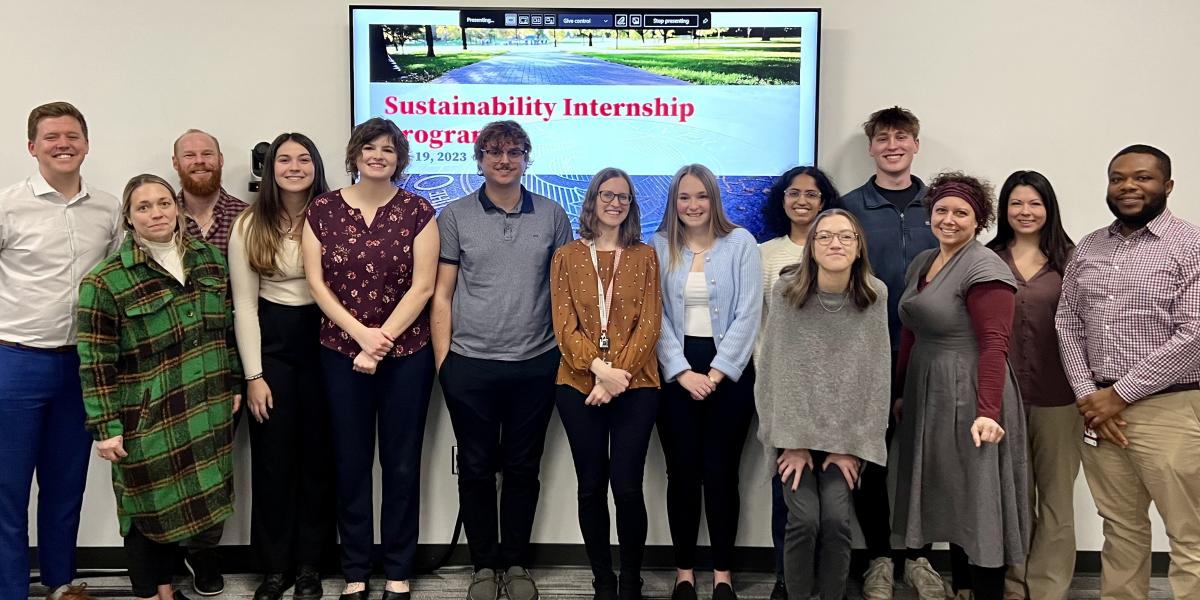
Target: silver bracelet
253	377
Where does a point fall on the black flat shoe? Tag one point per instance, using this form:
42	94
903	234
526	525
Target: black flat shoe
359	595
390	595
684	590
723	591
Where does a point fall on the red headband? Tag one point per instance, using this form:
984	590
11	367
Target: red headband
960	190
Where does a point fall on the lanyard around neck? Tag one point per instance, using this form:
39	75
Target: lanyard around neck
605	296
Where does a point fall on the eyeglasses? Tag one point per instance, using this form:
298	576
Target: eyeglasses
794	194
608	198
847	238
512	154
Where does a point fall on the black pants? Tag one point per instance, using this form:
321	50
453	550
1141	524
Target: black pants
151	563
986	583
873	507
608	443
818	532
702	443
396	401
500	411
292	515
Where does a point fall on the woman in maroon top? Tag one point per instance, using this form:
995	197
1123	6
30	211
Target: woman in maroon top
1032	241
370	256
961	465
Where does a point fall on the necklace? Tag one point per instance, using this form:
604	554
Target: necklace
212	216
292	232
845	296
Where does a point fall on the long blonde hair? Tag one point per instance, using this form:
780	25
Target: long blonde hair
718	224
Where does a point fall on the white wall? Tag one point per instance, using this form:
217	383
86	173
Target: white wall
999	85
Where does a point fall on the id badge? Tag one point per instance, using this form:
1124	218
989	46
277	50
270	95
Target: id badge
604	341
1090	438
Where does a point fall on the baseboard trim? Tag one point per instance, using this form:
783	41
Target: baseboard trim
240	559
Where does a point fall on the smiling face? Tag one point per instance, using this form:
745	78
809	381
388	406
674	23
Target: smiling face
153	213
692	203
294	169
839	255
198	162
1137	189
1026	210
503	163
802	200
611	213
953	221
893	151
378	159
59	146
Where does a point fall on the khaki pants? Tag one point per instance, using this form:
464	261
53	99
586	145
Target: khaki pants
1054	434
1162	464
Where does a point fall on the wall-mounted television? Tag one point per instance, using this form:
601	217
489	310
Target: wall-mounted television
647	90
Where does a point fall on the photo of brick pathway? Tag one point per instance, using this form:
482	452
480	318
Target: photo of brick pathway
552	67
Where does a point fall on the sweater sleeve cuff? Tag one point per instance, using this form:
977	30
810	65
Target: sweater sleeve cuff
107	430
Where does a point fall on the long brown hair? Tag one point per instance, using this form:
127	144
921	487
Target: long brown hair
151	179
718	224
801	278
630	232
260	222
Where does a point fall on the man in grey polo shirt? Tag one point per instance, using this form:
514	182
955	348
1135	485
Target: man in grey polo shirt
496	354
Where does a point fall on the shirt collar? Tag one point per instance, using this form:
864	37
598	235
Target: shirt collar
1157	226
526	200
41	187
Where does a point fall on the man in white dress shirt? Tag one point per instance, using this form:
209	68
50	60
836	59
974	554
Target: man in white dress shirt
53	229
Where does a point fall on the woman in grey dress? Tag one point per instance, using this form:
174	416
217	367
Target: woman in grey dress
962	459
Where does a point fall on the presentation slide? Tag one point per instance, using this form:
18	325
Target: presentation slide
644	90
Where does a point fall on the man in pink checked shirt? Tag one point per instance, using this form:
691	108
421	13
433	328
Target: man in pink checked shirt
1129	332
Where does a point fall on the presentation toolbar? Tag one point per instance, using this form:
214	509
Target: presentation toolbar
550	19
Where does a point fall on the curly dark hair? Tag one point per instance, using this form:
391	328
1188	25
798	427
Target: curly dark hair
983	191
775	219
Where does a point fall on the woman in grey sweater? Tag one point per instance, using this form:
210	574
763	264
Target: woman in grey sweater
822	396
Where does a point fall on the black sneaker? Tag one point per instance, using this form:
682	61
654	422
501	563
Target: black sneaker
273	586
308	584
779	592
206	572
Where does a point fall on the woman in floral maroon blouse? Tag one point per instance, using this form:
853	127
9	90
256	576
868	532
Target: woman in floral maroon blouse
370	256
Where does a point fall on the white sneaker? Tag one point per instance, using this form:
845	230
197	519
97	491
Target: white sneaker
920	575
879	579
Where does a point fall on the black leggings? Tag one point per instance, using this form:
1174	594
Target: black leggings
986	583
609	443
702	443
151	563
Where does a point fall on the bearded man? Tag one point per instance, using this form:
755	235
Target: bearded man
1129	332
209	208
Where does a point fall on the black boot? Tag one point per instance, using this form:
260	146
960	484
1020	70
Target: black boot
630	588
606	587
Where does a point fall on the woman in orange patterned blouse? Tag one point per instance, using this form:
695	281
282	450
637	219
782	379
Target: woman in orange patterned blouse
607	315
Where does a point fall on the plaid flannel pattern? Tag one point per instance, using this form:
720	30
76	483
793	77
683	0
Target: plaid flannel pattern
225	212
159	367
1130	309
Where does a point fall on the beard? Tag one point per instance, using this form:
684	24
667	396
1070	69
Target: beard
200	188
1155	204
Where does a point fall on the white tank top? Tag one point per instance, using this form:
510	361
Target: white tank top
696	320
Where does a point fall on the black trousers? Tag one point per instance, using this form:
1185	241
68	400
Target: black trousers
151	563
986	583
608	444
394	401
292	515
500	411
702	443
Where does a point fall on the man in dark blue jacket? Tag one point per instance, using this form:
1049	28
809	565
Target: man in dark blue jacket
896	223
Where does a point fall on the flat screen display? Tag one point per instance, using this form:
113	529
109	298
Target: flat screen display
645	90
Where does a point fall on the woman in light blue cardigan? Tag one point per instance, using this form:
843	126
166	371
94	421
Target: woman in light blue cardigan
712	304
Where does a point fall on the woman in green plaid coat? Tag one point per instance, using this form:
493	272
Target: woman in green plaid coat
159	369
